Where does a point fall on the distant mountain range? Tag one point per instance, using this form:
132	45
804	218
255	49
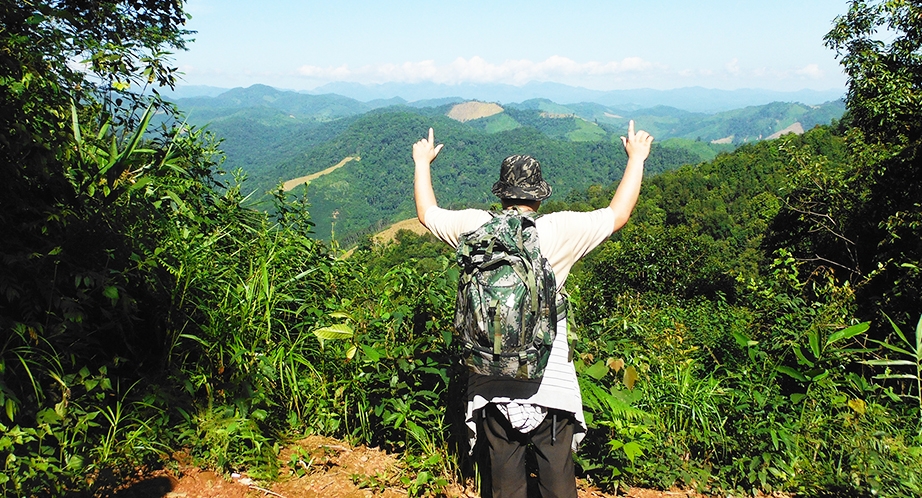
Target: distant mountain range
584	121
275	136
692	99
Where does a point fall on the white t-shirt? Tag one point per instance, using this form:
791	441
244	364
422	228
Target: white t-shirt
564	238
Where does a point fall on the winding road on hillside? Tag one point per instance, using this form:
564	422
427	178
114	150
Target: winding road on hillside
296	182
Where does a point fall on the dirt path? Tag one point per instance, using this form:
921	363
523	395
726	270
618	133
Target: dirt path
321	468
291	184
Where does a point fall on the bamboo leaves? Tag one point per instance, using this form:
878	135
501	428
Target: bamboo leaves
909	368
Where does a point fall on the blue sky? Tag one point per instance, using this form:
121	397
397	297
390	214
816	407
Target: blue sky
597	44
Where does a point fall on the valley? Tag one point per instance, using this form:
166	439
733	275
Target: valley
282	139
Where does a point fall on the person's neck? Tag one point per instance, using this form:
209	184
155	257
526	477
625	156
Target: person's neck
522	206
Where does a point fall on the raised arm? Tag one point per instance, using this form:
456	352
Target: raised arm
424	152
637	146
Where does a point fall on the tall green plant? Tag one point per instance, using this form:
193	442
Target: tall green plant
908	365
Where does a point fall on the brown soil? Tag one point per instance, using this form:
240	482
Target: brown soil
323	468
468	111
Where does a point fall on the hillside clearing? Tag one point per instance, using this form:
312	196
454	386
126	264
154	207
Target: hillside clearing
469	111
390	233
291	184
794	128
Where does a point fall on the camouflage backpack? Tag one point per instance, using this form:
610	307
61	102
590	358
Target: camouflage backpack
506	312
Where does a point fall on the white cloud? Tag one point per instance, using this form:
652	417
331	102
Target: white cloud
811	71
629	72
733	67
478	70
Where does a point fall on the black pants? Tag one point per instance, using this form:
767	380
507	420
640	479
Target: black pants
505	449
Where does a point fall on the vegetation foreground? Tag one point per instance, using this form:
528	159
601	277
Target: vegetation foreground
756	327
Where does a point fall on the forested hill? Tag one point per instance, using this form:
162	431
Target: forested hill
275	136
377	190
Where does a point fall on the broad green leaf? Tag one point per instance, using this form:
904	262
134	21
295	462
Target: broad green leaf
597	371
848	333
632	450
75	462
814	339
819	376
801	358
742	340
111	292
790	372
351	352
336	331
47	416
10	407
371	353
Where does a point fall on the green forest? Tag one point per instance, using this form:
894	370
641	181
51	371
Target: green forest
756	327
274	136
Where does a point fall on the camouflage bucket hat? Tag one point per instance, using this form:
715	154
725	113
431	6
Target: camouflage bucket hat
520	178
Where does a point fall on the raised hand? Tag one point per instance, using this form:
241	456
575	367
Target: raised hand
637	145
425	150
